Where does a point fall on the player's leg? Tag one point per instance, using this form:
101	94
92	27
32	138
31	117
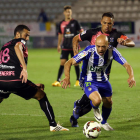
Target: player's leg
4	95
82	111
63	59
106	110
77	70
106	93
48	110
79	104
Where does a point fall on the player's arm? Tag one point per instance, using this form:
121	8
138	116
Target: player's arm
125	41
60	38
75	42
67	67
120	59
129	70
19	53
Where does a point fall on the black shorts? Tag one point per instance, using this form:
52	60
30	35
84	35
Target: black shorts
65	54
25	90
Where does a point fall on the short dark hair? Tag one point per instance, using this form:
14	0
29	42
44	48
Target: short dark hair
108	14
67	7
20	28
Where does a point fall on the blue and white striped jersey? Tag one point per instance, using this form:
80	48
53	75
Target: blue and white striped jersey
94	65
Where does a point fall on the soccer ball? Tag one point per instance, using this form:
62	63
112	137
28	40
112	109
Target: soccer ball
91	129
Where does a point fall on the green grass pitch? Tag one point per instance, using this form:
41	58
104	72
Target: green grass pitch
24	120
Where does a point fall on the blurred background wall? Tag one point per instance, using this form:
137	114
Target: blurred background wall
87	12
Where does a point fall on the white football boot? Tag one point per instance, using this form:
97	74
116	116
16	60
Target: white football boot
106	127
58	128
97	115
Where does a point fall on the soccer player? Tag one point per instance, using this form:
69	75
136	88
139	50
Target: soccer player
82	106
68	28
96	58
13	75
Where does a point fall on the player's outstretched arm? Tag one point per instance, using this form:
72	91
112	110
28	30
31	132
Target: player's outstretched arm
127	42
131	81
67	67
60	38
19	53
75	42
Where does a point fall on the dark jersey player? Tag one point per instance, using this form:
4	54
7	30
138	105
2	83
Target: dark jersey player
82	105
68	28
13	75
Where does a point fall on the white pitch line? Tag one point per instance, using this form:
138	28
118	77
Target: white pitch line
5	114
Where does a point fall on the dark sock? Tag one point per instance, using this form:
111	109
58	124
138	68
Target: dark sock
74	120
84	99
77	69
105	114
85	109
47	108
60	72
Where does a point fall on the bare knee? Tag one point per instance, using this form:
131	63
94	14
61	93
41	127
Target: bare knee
97	102
39	94
108	103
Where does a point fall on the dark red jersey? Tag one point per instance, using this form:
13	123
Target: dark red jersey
91	34
69	29
10	67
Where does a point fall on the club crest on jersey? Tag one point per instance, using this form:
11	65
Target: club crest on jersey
89	88
101	61
82	54
67	31
83	32
72	25
111	39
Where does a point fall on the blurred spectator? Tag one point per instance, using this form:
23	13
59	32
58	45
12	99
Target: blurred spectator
42	16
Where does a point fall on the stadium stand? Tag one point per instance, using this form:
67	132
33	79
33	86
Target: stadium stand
83	10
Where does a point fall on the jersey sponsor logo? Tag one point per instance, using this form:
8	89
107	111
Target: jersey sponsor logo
111	39
82	54
95	69
6	67
23	42
83	32
7	73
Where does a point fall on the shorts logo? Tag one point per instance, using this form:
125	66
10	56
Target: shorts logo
82	54
83	32
89	88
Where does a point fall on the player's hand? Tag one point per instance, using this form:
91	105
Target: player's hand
66	82
24	75
131	82
58	49
121	41
41	86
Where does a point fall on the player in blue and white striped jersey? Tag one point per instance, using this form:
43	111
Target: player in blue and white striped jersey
95	59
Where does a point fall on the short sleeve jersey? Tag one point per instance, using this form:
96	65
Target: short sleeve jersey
91	35
69	29
94	65
10	67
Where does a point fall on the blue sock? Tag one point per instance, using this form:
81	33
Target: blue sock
95	107
105	114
